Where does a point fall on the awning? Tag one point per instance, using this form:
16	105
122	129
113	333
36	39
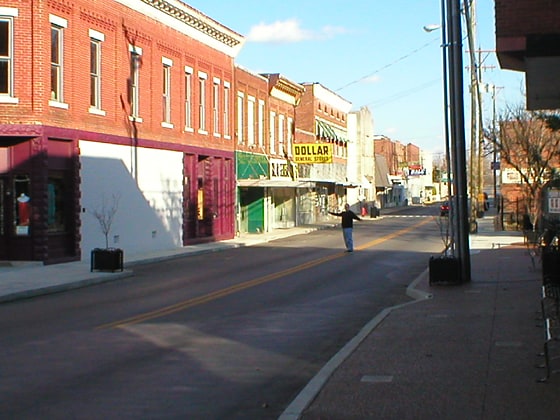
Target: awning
327	131
271	183
348	184
381	172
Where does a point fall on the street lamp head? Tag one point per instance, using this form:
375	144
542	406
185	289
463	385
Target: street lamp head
432	27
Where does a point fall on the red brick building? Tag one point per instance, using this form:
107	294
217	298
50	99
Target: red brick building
125	99
322	117
528	40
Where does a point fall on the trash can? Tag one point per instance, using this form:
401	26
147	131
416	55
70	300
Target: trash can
373	212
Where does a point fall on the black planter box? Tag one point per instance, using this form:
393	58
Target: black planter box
107	259
444	270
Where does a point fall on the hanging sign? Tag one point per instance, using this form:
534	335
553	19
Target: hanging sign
313	153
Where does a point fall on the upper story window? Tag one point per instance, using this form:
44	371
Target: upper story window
251	120
166	92
216	106
240	117
272	128
202	77
58	25
134	82
95	41
260	128
188	98
289	136
281	146
226	106
7	15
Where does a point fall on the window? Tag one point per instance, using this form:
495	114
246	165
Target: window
251	121
22	204
56	204
271	133
57	48
134	82
6	55
202	102
166	92
188	98
216	106
261	123
240	117
226	109
96	39
290	136
281	146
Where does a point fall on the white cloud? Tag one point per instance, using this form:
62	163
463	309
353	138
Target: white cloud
289	31
372	79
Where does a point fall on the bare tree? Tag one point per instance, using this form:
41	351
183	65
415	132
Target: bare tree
528	141
105	215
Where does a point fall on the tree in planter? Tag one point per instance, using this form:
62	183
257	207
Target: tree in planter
105	215
528	142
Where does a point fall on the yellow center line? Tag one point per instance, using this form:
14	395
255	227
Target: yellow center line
189	303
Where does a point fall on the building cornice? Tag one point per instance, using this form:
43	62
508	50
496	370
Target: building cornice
180	16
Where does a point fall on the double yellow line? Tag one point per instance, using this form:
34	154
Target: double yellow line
189	303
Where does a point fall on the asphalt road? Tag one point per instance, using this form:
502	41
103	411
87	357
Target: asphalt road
233	335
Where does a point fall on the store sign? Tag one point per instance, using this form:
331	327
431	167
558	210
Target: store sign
554	201
313	153
511	176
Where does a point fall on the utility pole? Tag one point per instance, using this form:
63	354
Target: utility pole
457	125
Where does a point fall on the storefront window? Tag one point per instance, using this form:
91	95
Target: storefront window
22	204
55	210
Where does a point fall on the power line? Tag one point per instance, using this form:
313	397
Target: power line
403	94
404	57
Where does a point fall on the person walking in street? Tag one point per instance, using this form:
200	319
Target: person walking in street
348	217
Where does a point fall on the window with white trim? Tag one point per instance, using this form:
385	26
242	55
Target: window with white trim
251	121
202	77
272	128
95	40
281	146
134	82
226	110
188	98
57	57
260	117
216	106
166	92
7	15
240	117
290	136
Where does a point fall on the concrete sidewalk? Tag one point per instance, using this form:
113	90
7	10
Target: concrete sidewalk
465	351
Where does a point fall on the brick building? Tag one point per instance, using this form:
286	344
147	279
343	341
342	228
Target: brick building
118	104
322	117
528	40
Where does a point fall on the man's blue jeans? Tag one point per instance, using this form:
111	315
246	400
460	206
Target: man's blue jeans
348	241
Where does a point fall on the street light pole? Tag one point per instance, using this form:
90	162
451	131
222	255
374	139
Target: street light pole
457	123
444	49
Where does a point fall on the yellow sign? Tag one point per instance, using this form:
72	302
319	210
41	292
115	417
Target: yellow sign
313	153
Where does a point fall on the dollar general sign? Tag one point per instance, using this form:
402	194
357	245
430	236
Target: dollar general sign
313	153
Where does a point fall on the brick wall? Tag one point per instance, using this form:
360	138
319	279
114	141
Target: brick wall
516	17
121	27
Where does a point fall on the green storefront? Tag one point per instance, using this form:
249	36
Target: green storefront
251	168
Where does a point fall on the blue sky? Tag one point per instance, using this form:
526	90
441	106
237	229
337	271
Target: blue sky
373	53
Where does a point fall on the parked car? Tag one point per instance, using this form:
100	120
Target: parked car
444	209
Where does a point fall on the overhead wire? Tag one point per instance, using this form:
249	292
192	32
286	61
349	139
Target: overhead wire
398	60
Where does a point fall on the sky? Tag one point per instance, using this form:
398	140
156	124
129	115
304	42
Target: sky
372	53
